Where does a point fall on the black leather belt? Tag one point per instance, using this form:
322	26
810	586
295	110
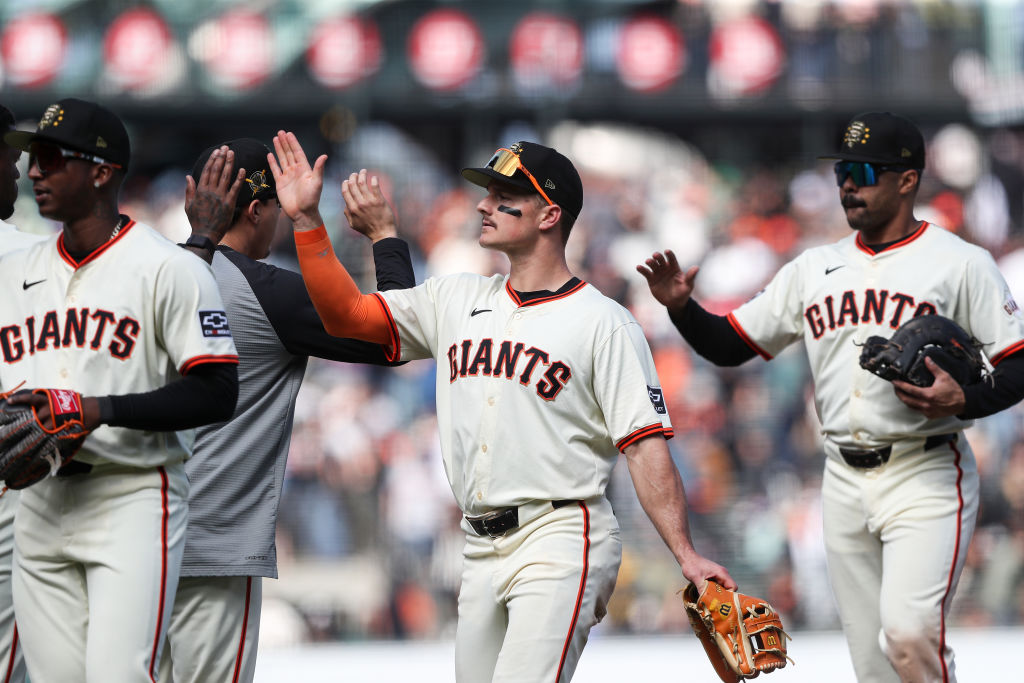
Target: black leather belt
873	457
497	523
74	467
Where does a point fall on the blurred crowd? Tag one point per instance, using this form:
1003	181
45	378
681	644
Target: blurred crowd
368	533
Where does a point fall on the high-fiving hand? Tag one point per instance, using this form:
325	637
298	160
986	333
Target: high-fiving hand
298	184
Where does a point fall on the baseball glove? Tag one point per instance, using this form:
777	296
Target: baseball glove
742	635
926	336
29	450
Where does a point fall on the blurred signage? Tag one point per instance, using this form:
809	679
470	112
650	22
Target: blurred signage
33	47
746	57
236	48
343	51
138	49
546	50
650	54
446	49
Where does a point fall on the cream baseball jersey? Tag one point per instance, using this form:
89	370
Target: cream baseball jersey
135	314
534	398
12	239
835	296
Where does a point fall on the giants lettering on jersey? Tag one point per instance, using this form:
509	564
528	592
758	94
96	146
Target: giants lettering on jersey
874	306
511	360
79	328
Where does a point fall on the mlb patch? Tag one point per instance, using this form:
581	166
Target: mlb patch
657	399
214	324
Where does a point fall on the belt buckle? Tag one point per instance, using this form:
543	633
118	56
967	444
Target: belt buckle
495	523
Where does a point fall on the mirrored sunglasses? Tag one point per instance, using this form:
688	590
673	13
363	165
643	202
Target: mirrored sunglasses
505	162
51	158
862	173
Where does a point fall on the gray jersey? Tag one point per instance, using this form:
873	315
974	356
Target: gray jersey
237	469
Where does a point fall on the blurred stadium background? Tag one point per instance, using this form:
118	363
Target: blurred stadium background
696	126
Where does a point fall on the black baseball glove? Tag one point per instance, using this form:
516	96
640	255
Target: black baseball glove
926	336
30	450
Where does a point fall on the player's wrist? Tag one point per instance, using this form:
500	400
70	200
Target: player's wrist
307	221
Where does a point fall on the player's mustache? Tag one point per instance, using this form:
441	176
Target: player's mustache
851	202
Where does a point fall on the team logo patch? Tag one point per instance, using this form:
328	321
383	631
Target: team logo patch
53	115
257	182
856	133
214	324
657	399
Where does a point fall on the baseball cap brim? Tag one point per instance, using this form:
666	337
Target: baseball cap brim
23	139
484	176
866	158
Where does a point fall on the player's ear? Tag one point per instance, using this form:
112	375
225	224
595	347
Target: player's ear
102	174
550	217
254	210
909	181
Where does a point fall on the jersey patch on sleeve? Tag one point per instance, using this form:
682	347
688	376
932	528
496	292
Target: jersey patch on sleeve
657	399
214	324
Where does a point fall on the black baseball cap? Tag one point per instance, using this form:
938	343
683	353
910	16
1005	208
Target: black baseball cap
553	172
6	119
881	138
81	126
251	155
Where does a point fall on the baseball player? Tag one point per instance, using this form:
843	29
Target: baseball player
900	489
111	307
541	382
238	467
12	663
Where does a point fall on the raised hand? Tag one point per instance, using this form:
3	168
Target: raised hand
366	209
210	202
669	284
298	184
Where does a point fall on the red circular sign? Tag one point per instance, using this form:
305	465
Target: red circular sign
236	48
343	50
33	47
651	54
746	56
446	49
137	48
546	49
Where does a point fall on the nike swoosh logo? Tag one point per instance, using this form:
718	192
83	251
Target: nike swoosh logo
26	284
479	310
833	268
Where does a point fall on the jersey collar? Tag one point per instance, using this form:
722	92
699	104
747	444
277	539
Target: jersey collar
95	254
895	245
580	284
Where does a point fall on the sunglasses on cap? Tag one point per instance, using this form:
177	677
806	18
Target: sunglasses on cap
51	158
505	162
861	172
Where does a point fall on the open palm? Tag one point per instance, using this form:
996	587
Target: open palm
298	184
668	283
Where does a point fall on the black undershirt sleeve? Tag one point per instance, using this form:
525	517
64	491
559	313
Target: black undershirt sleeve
711	335
207	394
1000	391
285	300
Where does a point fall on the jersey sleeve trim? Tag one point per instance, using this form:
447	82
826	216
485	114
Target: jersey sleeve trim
393	349
746	339
191	363
643	433
1008	351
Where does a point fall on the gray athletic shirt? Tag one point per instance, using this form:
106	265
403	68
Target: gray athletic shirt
237	467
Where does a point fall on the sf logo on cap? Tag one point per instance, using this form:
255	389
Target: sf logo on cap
214	324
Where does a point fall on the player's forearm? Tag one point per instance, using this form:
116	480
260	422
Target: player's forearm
344	310
711	335
659	488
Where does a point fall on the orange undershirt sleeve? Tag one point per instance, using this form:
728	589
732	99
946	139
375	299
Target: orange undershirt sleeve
344	310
